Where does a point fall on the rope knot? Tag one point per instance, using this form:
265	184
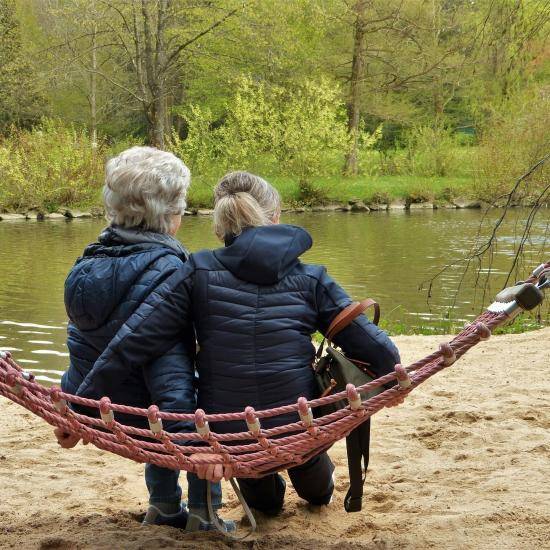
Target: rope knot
201	424
105	411
155	422
252	421
403	378
59	404
354	398
482	330
447	353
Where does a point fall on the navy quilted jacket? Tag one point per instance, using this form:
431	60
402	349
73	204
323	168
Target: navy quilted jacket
108	285
255	307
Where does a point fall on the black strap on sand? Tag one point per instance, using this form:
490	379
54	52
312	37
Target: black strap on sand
357	445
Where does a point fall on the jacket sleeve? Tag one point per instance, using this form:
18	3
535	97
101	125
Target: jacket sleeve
160	322
361	339
170	381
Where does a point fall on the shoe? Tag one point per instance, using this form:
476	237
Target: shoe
155	516
269	512
197	522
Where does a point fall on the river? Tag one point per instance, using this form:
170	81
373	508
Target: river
383	255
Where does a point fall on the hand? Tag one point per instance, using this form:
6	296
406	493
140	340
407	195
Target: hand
213	472
64	439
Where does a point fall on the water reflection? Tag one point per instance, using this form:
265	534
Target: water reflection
382	255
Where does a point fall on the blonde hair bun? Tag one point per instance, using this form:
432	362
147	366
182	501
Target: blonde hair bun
243	200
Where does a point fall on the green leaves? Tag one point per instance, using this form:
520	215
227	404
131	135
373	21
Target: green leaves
49	166
289	130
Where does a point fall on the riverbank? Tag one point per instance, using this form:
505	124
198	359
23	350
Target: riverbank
339	190
329	192
352	205
462	464
360	194
335	193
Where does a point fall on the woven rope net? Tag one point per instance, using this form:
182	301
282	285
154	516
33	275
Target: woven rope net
252	452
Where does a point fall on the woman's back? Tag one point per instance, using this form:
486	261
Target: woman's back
103	289
255	307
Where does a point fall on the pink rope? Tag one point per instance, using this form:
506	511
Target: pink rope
252	452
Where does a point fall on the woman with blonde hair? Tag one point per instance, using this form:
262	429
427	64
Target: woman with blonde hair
255	306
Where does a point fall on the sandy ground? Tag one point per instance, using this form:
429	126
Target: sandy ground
462	464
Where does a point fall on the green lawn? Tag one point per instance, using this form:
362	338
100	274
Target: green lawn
340	190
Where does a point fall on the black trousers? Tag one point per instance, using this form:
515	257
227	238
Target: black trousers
311	480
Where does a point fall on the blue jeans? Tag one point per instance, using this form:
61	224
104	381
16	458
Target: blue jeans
163	486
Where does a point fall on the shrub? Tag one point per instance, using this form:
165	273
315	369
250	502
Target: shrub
297	131
431	151
514	140
202	147
49	166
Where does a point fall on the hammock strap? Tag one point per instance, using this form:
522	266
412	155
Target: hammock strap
216	520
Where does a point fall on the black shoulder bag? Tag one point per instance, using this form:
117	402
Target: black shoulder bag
333	371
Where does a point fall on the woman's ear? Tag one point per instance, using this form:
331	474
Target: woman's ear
174	224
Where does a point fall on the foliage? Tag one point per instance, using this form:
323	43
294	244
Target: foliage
266	85
370	189
49	166
515	139
431	151
275	129
20	99
201	149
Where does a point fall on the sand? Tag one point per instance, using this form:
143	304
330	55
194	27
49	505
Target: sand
462	464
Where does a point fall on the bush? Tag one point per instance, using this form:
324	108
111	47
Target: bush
424	152
297	131
49	166
515	139
431	151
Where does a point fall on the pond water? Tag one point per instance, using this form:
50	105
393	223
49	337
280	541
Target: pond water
386	256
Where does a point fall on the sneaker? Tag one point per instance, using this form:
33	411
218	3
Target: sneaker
155	516
197	522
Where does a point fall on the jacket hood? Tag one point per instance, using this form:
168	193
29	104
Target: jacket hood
103	276
264	255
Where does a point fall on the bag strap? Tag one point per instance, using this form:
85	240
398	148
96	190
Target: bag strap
215	520
357	446
345	317
349	314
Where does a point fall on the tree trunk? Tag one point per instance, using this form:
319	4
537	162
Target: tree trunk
154	69
158	120
357	75
93	89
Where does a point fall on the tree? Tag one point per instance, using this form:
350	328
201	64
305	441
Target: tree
140	48
357	75
21	102
155	40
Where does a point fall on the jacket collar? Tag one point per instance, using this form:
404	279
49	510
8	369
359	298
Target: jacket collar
117	235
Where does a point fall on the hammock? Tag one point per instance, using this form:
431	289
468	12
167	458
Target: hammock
254	452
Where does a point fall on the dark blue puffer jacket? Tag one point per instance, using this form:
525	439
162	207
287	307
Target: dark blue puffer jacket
255	307
107	285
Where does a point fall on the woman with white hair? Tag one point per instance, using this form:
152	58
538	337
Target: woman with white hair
134	258
255	307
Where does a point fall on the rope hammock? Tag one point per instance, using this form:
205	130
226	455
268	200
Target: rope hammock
254	452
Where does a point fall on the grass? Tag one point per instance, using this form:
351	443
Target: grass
338	189
523	323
